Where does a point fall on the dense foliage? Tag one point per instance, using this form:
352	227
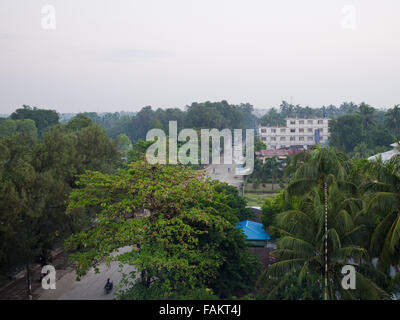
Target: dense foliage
359	201
186	241
207	115
276	117
43	118
36	177
359	130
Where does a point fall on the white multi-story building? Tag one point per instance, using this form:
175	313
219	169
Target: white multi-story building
300	133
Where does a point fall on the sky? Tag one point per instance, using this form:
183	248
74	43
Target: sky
113	55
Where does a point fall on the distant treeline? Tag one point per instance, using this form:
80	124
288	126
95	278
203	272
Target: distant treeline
218	115
277	116
360	130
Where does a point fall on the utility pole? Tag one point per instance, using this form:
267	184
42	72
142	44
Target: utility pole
326	240
28	280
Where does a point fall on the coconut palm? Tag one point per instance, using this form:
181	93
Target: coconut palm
273	168
310	169
303	244
367	113
392	119
318	169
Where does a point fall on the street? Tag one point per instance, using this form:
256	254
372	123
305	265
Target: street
90	287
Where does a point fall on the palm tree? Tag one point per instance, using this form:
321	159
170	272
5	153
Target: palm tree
367	113
309	169
318	169
392	119
361	150
273	167
302	247
384	203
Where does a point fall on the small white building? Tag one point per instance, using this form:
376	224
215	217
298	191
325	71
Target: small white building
386	156
298	132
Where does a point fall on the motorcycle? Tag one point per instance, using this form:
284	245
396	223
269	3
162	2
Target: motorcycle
108	287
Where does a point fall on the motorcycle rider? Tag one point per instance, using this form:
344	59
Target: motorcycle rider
108	285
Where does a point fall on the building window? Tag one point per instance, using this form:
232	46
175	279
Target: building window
283	138
283	130
264	139
310	138
301	130
273	139
301	138
292	130
263	130
301	121
273	131
292	121
292	138
320	121
309	121
321	130
309	130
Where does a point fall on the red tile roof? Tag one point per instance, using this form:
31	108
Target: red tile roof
278	152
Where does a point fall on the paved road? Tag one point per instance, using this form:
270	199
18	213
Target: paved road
90	287
225	173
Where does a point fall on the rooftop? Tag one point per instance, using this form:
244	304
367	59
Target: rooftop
386	156
253	230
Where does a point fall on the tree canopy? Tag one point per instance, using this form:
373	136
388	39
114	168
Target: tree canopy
179	227
43	118
36	178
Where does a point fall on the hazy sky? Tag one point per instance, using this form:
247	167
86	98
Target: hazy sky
110	55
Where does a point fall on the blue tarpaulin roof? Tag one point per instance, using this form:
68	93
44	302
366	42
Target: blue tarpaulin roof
253	230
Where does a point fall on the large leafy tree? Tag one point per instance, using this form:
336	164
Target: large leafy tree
346	131
24	201
219	115
350	130
236	202
35	181
179	228
10	127
43	118
79	122
18	179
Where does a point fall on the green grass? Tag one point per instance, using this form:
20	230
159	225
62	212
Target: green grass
257	199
